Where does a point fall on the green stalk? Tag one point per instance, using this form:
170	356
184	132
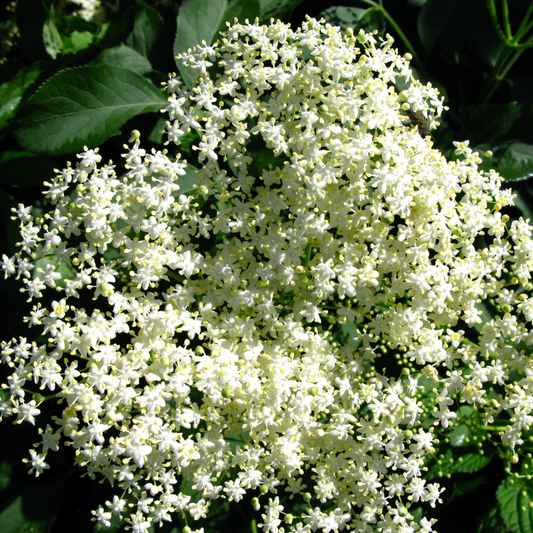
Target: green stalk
511	62
307	255
492	82
507	24
496	23
524	26
511	43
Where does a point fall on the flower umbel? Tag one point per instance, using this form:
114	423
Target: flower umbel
323	230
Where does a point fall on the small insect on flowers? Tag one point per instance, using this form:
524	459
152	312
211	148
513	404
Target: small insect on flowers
420	121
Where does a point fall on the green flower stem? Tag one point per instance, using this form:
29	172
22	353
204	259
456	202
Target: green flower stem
174	276
494	79
42	398
253	525
243	440
513	60
505	9
525	25
506	39
512	44
504	70
307	255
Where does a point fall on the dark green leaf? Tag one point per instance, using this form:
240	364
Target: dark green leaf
372	20
484	42
456	459
366	19
265	160
465	486
64	269
78	40
189	182
514	498
278	9
241	10
202	20
24	169
84	106
156	137
524	200
492	522
6	469
513	161
34	510
445	26
124	56
498	123
464	411
442	466
78	34
13	520
18	85
12	91
460	436
71	23
469	462
488	312
198	20
8	111
343	16
147	28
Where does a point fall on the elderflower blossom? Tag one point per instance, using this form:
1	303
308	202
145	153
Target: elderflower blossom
88	8
228	337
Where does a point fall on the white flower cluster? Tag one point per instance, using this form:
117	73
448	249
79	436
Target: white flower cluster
87	8
194	348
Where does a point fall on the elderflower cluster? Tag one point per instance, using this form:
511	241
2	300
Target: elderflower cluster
204	343
88	8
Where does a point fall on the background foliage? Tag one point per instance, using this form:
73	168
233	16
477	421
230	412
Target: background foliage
67	82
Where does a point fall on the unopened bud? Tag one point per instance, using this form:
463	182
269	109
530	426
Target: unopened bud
38	398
